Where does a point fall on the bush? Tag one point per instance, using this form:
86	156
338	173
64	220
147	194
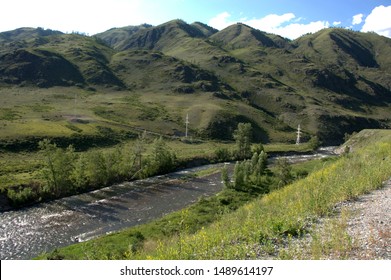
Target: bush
223	154
314	143
283	172
25	194
163	160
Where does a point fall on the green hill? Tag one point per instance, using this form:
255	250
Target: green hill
333	82
242	36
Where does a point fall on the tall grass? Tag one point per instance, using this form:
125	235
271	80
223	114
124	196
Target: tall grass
257	229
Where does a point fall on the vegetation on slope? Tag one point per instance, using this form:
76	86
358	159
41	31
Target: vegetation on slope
331	82
255	229
261	228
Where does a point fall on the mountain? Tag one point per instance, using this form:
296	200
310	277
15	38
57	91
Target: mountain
242	36
116	36
161	37
332	82
26	33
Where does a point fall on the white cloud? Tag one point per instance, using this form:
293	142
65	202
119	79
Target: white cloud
286	25
270	22
89	16
357	19
379	21
295	30
336	23
220	21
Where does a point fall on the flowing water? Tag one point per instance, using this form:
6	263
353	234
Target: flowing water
33	230
30	231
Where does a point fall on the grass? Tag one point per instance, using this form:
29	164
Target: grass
226	226
255	229
250	231
53	112
328	240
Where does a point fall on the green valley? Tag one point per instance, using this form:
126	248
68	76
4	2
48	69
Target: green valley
79	113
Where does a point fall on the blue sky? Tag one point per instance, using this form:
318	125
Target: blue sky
288	18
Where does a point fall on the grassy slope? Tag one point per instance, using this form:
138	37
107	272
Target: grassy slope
274	87
256	229
251	231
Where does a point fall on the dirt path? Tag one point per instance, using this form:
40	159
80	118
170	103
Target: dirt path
370	224
358	230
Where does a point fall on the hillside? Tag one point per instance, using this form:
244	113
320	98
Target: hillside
333	82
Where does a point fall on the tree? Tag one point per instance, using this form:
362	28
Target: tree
225	177
163	159
239	182
258	148
96	168
113	163
249	175
242	136
139	149
314	142
78	175
283	172
259	168
59	165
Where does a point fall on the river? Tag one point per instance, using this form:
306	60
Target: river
28	232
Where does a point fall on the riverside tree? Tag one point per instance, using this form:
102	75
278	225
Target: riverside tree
243	137
162	158
66	172
283	172
249	175
58	166
139	149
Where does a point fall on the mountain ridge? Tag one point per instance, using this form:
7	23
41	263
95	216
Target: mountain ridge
332	82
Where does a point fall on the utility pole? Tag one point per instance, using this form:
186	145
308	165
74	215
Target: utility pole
187	123
298	135
74	109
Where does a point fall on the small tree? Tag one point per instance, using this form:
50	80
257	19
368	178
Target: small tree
243	137
314	142
239	176
223	154
249	175
113	164
78	175
163	159
283	172
258	148
58	166
139	149
261	165
225	177
96	169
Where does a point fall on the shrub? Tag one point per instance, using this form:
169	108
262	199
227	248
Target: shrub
283	172
223	154
162	159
